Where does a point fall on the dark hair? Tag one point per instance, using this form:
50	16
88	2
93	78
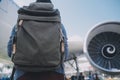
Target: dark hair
47	1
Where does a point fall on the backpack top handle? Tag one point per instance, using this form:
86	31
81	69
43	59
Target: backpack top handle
46	1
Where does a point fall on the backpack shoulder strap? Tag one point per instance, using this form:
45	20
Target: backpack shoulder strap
12	75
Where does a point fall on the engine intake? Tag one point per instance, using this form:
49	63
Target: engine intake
102	47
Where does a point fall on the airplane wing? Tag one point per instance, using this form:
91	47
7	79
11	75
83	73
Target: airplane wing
8	18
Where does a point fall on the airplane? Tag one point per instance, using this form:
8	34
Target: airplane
7	21
101	44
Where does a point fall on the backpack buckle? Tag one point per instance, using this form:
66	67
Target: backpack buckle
20	22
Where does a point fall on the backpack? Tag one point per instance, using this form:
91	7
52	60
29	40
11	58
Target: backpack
39	44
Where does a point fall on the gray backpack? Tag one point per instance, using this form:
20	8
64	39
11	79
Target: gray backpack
39	39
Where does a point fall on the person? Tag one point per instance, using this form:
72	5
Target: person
19	74
96	77
81	76
73	77
91	77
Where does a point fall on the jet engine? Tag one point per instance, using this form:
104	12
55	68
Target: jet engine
102	47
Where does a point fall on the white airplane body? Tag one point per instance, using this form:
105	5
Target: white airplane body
8	18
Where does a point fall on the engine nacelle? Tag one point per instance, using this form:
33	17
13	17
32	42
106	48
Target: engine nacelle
75	49
102	47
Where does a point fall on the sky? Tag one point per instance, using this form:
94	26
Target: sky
79	16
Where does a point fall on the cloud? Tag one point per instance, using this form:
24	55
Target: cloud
75	38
